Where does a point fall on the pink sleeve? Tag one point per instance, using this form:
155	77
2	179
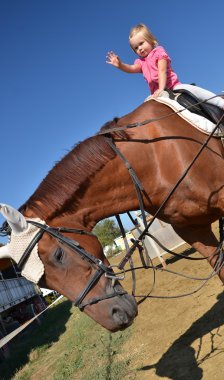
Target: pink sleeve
161	54
138	62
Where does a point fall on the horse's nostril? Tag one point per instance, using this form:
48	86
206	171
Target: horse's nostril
119	315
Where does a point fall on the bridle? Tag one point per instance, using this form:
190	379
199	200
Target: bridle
101	269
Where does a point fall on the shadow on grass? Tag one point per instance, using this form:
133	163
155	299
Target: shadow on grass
36	337
181	361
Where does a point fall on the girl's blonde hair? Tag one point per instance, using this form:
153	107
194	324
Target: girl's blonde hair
145	32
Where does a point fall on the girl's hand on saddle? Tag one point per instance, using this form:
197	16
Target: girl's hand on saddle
113	59
157	93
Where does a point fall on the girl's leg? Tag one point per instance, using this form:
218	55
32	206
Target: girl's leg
202	94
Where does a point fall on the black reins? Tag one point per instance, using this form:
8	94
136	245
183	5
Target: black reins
140	190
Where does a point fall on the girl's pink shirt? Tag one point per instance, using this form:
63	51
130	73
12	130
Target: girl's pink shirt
149	67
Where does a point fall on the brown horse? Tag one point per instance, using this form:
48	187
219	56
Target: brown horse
92	183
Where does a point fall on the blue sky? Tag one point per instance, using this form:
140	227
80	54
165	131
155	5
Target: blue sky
57	90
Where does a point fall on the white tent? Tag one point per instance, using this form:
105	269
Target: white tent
163	232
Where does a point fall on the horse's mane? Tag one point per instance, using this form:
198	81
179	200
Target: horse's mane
71	175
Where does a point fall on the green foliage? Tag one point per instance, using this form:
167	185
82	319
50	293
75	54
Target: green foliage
112	251
107	230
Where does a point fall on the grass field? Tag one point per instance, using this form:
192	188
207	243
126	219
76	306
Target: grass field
67	345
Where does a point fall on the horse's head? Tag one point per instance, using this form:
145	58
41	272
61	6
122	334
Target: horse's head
73	264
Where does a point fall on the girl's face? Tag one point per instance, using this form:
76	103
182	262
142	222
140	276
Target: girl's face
140	45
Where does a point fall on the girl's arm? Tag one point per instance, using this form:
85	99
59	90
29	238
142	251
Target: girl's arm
162	76
114	60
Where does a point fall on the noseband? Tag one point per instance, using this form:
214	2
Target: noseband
75	246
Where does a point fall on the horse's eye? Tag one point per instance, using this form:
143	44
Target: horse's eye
59	254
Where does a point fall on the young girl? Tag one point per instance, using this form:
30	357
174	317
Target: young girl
155	65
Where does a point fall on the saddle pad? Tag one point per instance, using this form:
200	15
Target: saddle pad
197	121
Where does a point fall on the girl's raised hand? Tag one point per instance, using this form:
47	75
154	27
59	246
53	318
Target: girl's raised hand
113	59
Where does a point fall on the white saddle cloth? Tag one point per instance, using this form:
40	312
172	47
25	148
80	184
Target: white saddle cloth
199	122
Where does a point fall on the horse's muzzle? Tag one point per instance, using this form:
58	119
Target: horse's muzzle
123	312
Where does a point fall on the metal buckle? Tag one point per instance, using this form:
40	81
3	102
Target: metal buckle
115	276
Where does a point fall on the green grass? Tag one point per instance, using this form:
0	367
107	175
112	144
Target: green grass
67	345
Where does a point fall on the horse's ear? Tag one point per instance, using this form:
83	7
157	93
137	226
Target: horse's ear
14	218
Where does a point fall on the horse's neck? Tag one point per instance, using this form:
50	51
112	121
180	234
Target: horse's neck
111	192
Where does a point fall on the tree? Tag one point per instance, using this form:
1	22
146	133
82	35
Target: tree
107	230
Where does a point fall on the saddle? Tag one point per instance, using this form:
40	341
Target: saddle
187	99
